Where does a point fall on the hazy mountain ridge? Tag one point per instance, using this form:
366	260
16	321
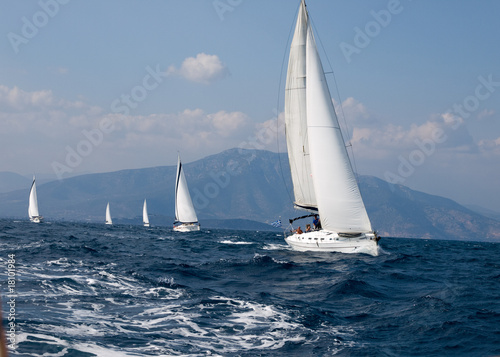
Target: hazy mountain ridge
484	211
248	185
10	181
396	210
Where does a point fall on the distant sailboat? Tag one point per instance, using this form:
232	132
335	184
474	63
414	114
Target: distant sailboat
185	215
145	218
323	179
108	215
33	205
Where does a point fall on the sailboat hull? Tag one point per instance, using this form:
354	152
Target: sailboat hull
37	219
328	241
187	227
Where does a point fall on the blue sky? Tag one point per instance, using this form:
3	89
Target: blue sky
140	80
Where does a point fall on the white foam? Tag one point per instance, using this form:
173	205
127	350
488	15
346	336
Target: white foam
272	246
74	330
257	255
242	326
231	242
68	304
165	293
60	261
79	346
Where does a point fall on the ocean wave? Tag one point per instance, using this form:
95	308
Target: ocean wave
84	290
234	242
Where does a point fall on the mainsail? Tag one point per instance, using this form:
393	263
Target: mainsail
145	218
295	117
321	170
184	209
108	215
33	202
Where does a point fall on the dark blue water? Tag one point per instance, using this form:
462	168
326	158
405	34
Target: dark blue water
95	290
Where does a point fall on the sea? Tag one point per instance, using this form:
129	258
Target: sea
82	289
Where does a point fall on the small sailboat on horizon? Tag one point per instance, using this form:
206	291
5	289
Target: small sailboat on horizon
185	215
33	213
145	218
324	183
108	215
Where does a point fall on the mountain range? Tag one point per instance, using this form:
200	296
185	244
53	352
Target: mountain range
239	188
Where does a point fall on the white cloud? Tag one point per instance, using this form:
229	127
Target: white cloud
446	130
190	125
485	114
15	98
353	110
490	147
452	119
269	135
226	123
23	111
202	69
37	128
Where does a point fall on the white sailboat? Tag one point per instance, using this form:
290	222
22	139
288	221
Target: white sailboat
108	215
323	179
185	215
33	213
145	218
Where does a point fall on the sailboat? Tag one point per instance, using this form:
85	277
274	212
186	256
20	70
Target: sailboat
33	213
108	215
145	218
324	183
185	215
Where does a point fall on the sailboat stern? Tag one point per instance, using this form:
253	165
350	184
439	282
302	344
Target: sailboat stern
187	227
329	241
36	219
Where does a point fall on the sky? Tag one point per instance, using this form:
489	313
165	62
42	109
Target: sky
97	86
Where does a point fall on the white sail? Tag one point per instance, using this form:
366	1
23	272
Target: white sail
295	117
322	175
145	218
33	213
340	205
184	209
108	215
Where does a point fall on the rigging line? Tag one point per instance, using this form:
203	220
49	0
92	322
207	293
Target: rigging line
278	105
332	72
